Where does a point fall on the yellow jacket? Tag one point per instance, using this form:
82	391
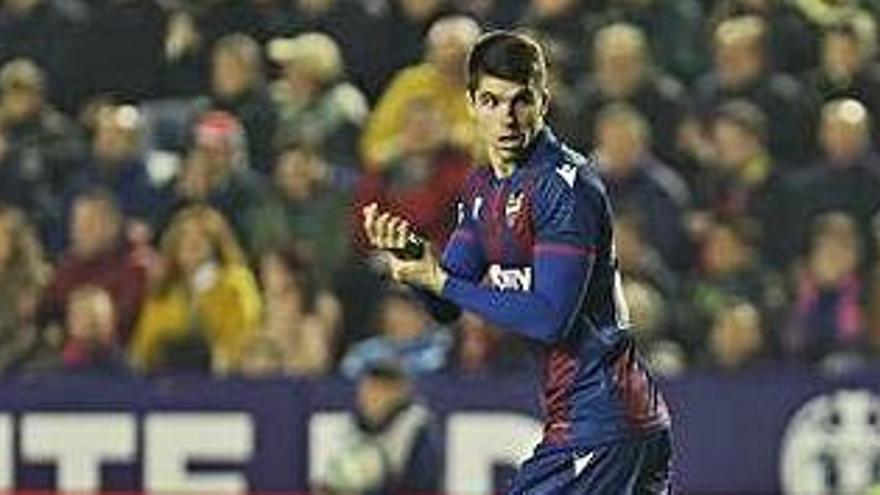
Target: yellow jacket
413	83
227	312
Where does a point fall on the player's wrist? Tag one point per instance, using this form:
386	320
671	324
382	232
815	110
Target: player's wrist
439	280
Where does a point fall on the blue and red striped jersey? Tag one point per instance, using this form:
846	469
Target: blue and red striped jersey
533	254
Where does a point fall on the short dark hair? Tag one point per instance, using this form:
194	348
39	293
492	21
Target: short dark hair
508	55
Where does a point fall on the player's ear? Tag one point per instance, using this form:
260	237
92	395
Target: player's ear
472	103
545	101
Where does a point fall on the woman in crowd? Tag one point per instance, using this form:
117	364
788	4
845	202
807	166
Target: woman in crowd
204	300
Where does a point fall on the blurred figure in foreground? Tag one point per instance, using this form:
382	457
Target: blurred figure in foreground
407	334
392	447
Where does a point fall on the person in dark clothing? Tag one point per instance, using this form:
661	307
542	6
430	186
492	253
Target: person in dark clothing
216	172
117	163
742	71
638	181
42	147
744	180
238	87
847	179
847	70
623	73
792	43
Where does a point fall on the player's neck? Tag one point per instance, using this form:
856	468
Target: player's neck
503	168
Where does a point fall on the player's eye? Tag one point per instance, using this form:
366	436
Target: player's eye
525	98
487	100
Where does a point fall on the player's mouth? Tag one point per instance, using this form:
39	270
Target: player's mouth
509	141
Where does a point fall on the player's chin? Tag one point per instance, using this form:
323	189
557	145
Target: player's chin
508	151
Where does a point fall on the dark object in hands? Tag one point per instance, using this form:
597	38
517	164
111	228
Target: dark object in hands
413	250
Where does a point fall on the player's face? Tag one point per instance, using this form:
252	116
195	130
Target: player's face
509	114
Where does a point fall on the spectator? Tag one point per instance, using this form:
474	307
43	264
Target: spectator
98	255
317	107
204	292
90	343
742	71
827	318
216	172
23	274
49	33
622	73
193	28
238	87
847	178
730	269
117	163
439	80
314	211
744	180
674	30
792	42
406	334
392	446
638	181
423	180
42	145
736	338
847	69
301	320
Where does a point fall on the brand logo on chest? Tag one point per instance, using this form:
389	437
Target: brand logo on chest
513	279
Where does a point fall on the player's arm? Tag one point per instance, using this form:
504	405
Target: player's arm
462	258
568	223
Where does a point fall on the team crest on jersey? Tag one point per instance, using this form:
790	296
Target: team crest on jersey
513	207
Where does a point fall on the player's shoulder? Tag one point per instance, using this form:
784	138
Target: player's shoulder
570	173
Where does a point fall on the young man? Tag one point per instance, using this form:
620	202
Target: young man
533	254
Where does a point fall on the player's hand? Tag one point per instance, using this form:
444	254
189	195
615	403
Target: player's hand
425	272
388	232
384	230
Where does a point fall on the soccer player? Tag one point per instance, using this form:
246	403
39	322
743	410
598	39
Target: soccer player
533	254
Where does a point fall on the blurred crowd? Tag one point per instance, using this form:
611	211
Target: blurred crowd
181	180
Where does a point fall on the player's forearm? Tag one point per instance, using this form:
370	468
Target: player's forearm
544	313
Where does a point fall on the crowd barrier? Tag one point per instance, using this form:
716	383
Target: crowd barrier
779	431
